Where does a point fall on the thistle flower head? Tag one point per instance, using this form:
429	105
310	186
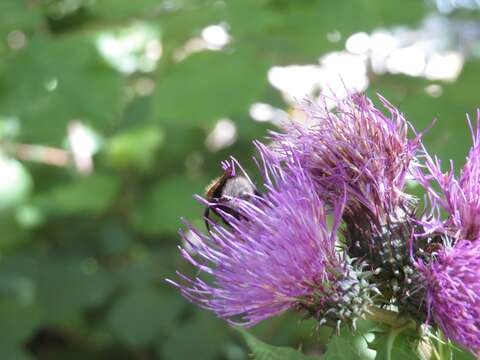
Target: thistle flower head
276	251
453	292
359	146
278	254
459	197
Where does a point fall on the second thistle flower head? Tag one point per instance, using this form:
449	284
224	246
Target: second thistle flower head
451	278
459	197
453	292
278	253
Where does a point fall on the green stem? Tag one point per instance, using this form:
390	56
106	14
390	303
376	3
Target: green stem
436	354
388	317
443	347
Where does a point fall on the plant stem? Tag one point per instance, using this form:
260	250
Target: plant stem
387	317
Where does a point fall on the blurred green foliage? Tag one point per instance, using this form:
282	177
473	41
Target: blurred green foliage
83	257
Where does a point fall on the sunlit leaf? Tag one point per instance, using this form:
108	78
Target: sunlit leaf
39	89
208	86
15	183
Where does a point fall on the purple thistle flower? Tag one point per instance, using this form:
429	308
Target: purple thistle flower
460	198
453	292
360	149
356	145
277	255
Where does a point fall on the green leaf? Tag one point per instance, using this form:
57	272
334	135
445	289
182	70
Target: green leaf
20	317
92	194
135	148
18	15
348	346
187	21
143	315
298	31
114	238
12	233
395	344
114	9
147	9
38	88
165	203
68	286
461	354
209	85
202	337
263	351
15	353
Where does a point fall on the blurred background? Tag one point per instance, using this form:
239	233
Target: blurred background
113	113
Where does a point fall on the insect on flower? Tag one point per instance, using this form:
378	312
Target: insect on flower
278	253
222	193
335	235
